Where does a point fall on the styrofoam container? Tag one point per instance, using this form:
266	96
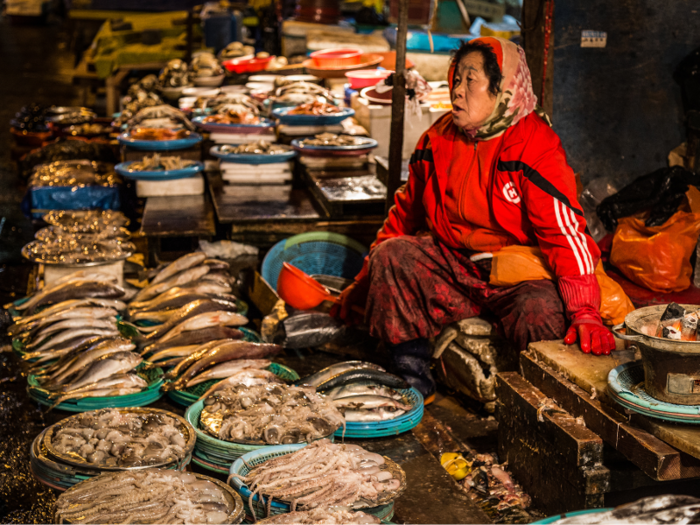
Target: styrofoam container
200	92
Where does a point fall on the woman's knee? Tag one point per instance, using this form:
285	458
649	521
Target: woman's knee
391	252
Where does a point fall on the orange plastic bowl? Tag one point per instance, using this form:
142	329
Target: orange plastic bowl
246	65
299	290
336	57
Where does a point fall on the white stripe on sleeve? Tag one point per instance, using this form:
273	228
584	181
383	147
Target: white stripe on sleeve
581	241
566	234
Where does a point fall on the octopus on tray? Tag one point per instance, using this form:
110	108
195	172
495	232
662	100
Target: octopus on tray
158	162
315	108
158	134
323	474
144	496
113	438
269	413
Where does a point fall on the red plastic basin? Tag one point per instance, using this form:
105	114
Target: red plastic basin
336	57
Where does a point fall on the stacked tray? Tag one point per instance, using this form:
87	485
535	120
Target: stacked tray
389	427
61	472
190	395
241	467
152	393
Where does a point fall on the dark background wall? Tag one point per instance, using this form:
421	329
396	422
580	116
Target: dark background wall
617	109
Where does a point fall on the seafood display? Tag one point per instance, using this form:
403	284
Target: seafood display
119	438
327	474
88	129
322	516
255	148
140	95
205	65
166	118
149	496
236	50
268	414
140	133
174	74
229	114
299	93
361	391
315	108
57	233
669	508
330	139
87	221
61	247
157	162
31	118
74	173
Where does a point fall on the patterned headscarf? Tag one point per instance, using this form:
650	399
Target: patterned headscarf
515	98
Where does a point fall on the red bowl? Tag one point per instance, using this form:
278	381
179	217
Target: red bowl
336	57
247	65
30	138
298	289
366	77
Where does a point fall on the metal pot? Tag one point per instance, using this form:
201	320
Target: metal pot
671	368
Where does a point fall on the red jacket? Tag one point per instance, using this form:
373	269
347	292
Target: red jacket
529	185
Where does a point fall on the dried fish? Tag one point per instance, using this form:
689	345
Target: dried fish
255	148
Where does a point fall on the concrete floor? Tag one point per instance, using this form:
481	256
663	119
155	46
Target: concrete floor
36	68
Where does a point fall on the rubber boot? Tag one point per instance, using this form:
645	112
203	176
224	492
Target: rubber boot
411	360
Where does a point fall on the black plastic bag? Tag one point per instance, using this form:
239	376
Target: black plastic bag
660	192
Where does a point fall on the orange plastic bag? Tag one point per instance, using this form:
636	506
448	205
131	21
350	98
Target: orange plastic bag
515	264
658	257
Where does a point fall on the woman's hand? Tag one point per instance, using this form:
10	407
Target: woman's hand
592	335
352	299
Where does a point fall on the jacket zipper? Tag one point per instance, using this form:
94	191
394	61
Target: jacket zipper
464	182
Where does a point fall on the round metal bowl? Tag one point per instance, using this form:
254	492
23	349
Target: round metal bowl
235	504
185	427
671	368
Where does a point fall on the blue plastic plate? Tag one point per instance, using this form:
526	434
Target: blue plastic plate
364	143
558	517
245	158
233	128
189	171
626	386
160	145
311	120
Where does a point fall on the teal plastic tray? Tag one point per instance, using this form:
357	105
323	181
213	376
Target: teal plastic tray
190	395
558	517
152	393
390	427
240	467
626	386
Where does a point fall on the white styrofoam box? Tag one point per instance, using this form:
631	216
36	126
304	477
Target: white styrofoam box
236	138
277	168
305	131
170	188
376	119
53	273
257	178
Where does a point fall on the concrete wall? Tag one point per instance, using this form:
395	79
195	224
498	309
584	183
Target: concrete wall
617	109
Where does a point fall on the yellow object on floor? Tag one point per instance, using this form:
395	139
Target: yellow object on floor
455	465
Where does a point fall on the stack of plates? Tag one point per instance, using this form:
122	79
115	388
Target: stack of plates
124	169
384	512
390	427
250	168
237	133
152	393
626	386
62	471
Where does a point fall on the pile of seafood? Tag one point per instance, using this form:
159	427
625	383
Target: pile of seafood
315	108
232	108
93	128
122	438
157	162
330	139
141	133
174	74
322	516
230	114
269	413
67	116
258	148
328	474
298	93
140	95
205	65
74	173
361	391
88	221
236	50
163	117
31	118
231	362
148	496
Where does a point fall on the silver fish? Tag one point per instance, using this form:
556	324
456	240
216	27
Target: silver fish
331	371
358	389
368	402
70	313
72	290
247	377
205	320
70	334
109	322
193	274
83	360
227	369
117	363
104	392
64	349
188	311
380	414
161	301
116	381
179	265
176	351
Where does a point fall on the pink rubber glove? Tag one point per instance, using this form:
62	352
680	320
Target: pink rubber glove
581	296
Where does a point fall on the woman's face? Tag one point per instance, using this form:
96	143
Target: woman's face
472	102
